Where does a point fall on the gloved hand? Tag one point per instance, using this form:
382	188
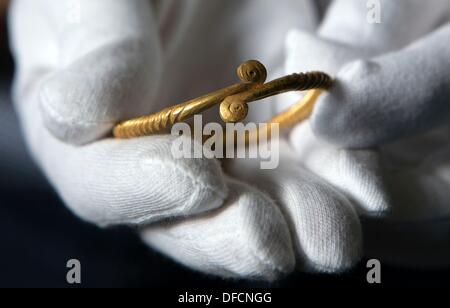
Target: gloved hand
75	80
392	95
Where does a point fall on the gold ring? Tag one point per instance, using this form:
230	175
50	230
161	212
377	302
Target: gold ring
234	101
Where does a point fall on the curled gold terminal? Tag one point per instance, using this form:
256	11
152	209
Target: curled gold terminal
252	71
233	110
234	101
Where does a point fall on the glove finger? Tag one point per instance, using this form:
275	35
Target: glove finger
248	237
388	97
357	173
134	181
325	228
107	69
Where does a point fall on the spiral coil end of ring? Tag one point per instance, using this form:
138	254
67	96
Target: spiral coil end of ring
252	71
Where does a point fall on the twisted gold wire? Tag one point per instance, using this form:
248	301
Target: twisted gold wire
234	101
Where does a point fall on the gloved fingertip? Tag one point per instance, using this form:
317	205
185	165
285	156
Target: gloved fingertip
64	122
83	101
187	186
138	181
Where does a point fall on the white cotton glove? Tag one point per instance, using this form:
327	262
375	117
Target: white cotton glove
75	80
392	94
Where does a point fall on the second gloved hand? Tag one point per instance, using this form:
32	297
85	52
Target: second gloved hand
390	102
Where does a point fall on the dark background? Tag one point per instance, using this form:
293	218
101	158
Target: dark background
38	235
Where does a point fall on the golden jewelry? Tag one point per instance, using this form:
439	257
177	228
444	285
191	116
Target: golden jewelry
233	101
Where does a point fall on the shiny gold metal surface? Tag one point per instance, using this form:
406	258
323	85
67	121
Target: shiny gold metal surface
234	101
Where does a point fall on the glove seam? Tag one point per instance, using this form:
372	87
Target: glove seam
69	121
